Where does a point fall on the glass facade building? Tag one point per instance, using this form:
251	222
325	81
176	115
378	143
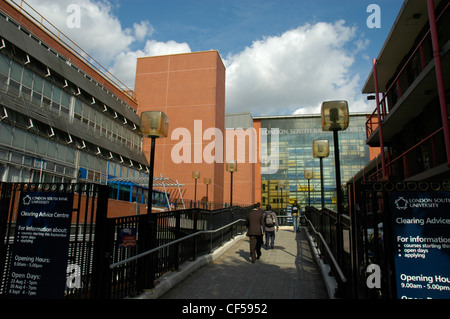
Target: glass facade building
295	139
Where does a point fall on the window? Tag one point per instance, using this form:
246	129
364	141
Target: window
4	64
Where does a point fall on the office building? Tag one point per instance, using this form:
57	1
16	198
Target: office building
294	136
63	118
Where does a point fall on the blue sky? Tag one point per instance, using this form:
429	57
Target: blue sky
282	56
230	25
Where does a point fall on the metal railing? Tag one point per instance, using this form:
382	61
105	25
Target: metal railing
323	226
176	241
163	241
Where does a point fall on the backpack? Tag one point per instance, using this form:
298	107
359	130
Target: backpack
269	221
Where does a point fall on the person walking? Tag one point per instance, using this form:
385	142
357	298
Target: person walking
295	216
255	230
270	222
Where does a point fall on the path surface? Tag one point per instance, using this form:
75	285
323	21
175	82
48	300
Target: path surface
286	272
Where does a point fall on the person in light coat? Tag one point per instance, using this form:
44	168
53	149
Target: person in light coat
269	228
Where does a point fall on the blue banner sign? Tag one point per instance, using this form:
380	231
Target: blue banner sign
421	237
41	245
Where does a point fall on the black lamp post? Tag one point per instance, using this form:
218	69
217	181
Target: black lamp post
231	167
335	117
207	181
153	124
321	149
308	175
281	185
195	176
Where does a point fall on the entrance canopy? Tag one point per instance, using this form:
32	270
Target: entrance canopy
160	182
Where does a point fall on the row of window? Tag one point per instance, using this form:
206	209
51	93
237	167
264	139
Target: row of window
19	80
56	157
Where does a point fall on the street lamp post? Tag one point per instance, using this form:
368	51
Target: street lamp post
321	149
207	181
231	167
153	124
281	185
308	175
335	117
195	176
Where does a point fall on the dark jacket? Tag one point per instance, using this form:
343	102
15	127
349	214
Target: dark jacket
255	222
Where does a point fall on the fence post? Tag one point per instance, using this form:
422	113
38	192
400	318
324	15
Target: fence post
101	279
195	219
177	236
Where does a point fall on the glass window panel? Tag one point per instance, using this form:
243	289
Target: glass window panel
38	84
61	155
5	134
31	142
51	150
84	159
16	71
78	106
27	78
65	99
41	147
47	89
56	94
70	155
19	138
26	175
4	64
16	158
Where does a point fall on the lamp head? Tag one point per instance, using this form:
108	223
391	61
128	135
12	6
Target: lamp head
321	148
335	116
231	166
154	124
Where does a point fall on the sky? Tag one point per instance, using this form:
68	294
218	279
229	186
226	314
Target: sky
282	57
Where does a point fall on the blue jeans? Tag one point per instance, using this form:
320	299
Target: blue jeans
270	237
295	220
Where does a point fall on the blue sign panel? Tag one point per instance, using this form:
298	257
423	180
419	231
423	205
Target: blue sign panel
421	236
41	244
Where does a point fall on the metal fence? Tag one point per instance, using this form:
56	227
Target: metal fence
367	237
159	243
323	227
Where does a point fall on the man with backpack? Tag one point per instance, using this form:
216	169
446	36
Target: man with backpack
270	222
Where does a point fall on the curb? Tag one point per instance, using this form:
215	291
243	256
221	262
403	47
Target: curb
330	281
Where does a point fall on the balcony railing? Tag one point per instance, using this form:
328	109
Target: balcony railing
401	166
407	74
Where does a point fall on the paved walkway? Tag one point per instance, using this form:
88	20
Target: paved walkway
288	271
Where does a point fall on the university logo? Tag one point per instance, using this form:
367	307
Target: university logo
27	200
401	203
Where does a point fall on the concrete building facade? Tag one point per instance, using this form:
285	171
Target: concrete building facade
410	81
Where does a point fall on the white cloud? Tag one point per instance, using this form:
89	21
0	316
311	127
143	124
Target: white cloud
99	33
295	72
102	36
124	66
143	30
292	72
